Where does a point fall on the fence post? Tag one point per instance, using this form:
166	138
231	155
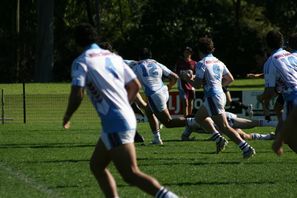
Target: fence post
2	105
24	103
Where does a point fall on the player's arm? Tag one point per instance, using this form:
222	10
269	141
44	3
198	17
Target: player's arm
172	80
75	98
132	88
252	75
198	82
268	94
140	101
227	79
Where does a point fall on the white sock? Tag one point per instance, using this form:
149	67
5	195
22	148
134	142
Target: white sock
257	136
164	193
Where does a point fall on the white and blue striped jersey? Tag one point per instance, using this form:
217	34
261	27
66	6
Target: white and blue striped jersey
211	70
149	73
281	66
104	74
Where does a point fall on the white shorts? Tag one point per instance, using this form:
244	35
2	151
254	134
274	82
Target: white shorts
215	105
112	140
158	100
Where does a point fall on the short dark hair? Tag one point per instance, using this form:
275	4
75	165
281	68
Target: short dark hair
189	49
85	34
274	39
145	53
205	45
293	41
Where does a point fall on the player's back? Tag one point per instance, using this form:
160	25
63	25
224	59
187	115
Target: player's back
213	70
105	81
150	73
282	65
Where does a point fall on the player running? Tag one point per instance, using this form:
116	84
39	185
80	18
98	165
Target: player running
280	67
212	75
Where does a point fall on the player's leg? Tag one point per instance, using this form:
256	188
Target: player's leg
98	165
205	122
244	123
289	130
184	101
158	104
243	135
124	159
191	97
215	107
221	122
154	125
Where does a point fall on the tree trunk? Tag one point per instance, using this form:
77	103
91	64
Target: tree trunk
45	41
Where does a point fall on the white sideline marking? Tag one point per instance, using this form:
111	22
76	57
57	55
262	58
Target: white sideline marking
28	181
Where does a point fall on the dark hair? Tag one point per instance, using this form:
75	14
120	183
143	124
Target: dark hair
85	34
274	39
293	41
189	49
205	45
106	45
145	53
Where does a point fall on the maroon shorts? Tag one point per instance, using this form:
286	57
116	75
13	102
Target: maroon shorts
187	94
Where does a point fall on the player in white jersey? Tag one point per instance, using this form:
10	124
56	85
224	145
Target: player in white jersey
212	74
152	119
111	86
150	73
238	124
280	67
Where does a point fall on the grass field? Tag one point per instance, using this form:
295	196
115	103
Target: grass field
43	160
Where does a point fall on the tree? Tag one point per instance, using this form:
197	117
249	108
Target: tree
45	41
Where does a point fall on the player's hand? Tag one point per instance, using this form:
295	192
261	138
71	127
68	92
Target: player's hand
277	148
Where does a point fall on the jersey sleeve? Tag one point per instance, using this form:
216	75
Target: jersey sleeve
225	69
165	70
269	74
200	70
78	74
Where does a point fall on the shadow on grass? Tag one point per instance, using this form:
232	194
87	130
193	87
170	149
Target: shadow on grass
220	183
46	145
56	161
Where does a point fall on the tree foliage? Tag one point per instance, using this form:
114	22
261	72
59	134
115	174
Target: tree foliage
236	26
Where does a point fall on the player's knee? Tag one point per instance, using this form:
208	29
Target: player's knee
130	176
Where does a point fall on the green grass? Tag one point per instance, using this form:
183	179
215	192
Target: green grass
40	159
63	88
43	160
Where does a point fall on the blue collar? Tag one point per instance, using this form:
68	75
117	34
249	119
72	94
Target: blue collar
92	46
